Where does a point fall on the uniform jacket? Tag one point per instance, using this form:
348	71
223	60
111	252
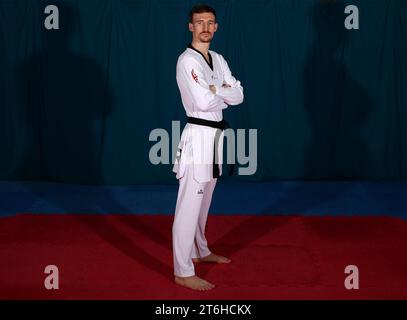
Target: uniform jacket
194	76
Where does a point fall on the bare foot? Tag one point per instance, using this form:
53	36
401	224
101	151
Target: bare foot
194	283
212	258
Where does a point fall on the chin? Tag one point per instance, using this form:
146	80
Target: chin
206	40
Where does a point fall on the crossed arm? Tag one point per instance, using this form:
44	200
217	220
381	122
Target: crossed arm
209	97
231	91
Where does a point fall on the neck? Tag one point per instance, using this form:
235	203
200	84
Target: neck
203	47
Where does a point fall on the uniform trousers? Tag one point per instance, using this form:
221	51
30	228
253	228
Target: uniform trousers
188	230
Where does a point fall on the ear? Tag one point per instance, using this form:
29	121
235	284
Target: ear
191	27
216	27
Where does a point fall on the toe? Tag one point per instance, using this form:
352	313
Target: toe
225	260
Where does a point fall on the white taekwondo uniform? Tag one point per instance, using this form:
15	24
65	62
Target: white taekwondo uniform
194	162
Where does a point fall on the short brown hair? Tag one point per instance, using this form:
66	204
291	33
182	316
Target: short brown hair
200	8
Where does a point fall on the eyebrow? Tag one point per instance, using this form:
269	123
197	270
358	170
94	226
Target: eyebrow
204	20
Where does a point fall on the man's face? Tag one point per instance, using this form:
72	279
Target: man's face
203	27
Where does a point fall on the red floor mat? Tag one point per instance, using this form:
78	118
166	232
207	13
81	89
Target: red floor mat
129	257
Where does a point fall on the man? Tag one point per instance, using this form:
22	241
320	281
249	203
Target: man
207	87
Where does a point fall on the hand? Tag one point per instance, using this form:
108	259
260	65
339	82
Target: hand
212	88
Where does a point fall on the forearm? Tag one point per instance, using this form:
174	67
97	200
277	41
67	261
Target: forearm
231	95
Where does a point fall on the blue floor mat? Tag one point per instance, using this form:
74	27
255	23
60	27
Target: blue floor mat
258	198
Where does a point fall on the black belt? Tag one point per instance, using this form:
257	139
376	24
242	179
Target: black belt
221	125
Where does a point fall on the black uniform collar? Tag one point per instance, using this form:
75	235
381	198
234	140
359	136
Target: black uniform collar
210	63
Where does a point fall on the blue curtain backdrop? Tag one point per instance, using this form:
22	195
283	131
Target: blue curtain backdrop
78	104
